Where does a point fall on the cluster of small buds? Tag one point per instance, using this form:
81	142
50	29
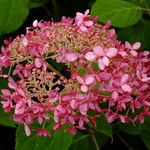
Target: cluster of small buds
106	77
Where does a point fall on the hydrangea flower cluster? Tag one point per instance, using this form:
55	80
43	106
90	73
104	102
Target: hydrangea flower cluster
106	77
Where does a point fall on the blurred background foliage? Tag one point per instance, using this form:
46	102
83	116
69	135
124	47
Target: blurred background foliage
130	18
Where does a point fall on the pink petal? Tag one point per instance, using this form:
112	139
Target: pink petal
88	23
38	62
27	129
90	56
133	52
105	61
25	42
124	78
136	45
145	79
128	45
83	28
115	95
147	103
81	122
101	64
89	79
71	57
126	88
111	52
6	92
83	109
35	23
98	50
87	12
84	88
79	79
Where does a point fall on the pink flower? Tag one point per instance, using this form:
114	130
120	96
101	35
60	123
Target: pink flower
83	21
102	55
43	132
86	81
133	47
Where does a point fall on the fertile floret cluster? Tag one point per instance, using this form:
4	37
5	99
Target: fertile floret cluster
105	76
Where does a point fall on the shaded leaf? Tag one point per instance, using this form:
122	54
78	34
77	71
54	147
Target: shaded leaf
139	32
131	129
104	127
121	13
37	3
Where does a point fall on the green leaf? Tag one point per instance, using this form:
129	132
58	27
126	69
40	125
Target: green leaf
145	135
139	32
131	129
121	13
58	141
37	3
13	14
6	118
104	127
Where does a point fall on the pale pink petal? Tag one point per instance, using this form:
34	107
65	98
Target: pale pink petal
136	45
71	57
105	61
115	95
38	62
126	88
90	56
98	50
145	79
83	109
35	23
27	129
84	88
89	79
147	103
83	28
79	79
25	42
124	78
146	53
87	12
133	52
88	23
128	45
101	64
111	52
40	120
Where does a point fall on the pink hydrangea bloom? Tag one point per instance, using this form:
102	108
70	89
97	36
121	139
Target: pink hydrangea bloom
102	76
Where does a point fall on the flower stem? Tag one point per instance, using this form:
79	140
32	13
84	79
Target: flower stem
125	143
54	70
94	140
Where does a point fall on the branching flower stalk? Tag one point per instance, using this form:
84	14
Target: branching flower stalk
107	77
